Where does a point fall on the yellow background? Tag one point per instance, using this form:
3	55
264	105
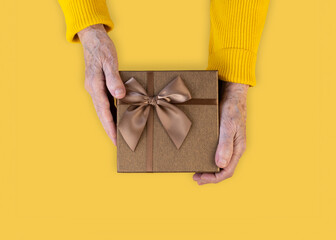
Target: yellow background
58	167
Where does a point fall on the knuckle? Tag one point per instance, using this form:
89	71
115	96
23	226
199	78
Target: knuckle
230	174
217	180
243	146
97	86
102	103
87	85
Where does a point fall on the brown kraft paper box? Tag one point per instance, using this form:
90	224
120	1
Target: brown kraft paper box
155	150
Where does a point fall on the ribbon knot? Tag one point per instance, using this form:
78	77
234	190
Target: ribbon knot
152	100
173	120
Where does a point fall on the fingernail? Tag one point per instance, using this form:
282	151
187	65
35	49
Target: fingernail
119	92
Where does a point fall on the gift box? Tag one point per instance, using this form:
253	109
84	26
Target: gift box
168	121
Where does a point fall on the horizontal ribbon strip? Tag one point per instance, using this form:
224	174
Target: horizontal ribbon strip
193	101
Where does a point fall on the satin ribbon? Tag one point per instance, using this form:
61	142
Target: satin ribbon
174	121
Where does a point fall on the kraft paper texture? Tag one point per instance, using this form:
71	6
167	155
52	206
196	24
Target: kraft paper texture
197	153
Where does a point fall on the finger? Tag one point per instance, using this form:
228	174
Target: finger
113	80
102	106
238	151
226	172
222	158
207	178
201	177
105	118
224	148
197	176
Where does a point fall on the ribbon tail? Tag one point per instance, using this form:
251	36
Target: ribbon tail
132	124
174	121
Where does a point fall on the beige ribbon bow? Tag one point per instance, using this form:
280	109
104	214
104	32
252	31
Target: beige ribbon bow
174	121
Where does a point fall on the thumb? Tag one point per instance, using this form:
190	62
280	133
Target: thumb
224	151
113	81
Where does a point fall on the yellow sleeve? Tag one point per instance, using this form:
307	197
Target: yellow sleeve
80	14
235	32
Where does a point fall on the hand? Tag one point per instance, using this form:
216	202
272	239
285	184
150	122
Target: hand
232	135
102	77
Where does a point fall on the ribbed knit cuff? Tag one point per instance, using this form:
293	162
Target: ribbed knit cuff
234	65
80	14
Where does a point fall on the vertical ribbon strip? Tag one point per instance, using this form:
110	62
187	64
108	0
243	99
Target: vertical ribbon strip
134	119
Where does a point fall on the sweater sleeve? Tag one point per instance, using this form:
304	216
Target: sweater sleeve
80	14
235	32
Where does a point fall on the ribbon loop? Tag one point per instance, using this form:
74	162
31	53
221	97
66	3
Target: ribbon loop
174	121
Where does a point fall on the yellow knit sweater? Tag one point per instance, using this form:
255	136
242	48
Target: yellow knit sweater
235	30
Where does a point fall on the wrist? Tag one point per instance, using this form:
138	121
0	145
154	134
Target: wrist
85	34
231	89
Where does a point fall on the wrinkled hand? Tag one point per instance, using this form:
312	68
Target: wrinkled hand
102	77
232	136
